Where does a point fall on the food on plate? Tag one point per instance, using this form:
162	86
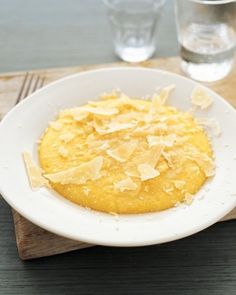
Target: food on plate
123	155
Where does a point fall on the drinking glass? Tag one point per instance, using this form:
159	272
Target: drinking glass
207	37
134	25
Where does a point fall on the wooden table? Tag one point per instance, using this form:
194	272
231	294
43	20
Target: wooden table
54	33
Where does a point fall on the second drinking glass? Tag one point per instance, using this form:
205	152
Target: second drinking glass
207	37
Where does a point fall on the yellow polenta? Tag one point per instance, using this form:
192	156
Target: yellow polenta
126	155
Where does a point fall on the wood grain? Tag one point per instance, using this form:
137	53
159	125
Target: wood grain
32	241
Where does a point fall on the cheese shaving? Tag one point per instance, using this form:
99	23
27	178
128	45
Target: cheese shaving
114	94
67	137
165	92
101	111
155	104
62	151
168	159
202	159
149	157
86	190
160	99
188	199
200	98
210	123
114	127
78	175
147	172
179	184
93	143
123	152
161	140
34	172
80	116
125	184
55	125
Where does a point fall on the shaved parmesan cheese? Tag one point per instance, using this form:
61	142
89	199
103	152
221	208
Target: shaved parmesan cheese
114	94
165	92
67	137
86	190
123	152
62	151
179	184
147	172
161	140
200	98
203	160
34	172
169	190
160	99
80	116
125	184
131	170
156	103
153	140
104	146
210	123
78	175
55	125
168	159
195	169
149	157
162	167
114	127
188	199
150	129
101	111
93	143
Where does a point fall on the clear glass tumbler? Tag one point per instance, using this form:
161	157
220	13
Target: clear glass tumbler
207	37
134	25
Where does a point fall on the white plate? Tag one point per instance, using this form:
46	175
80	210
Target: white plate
23	125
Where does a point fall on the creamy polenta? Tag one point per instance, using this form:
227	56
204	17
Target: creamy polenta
123	155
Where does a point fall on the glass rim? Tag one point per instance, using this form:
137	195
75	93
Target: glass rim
213	2
114	7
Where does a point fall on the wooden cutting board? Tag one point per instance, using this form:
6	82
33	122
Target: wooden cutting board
32	241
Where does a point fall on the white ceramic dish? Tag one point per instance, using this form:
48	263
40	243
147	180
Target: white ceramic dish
24	124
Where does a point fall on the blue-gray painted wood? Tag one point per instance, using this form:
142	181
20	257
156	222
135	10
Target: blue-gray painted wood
53	33
198	265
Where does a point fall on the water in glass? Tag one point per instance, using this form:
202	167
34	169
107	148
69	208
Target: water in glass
207	37
134	25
